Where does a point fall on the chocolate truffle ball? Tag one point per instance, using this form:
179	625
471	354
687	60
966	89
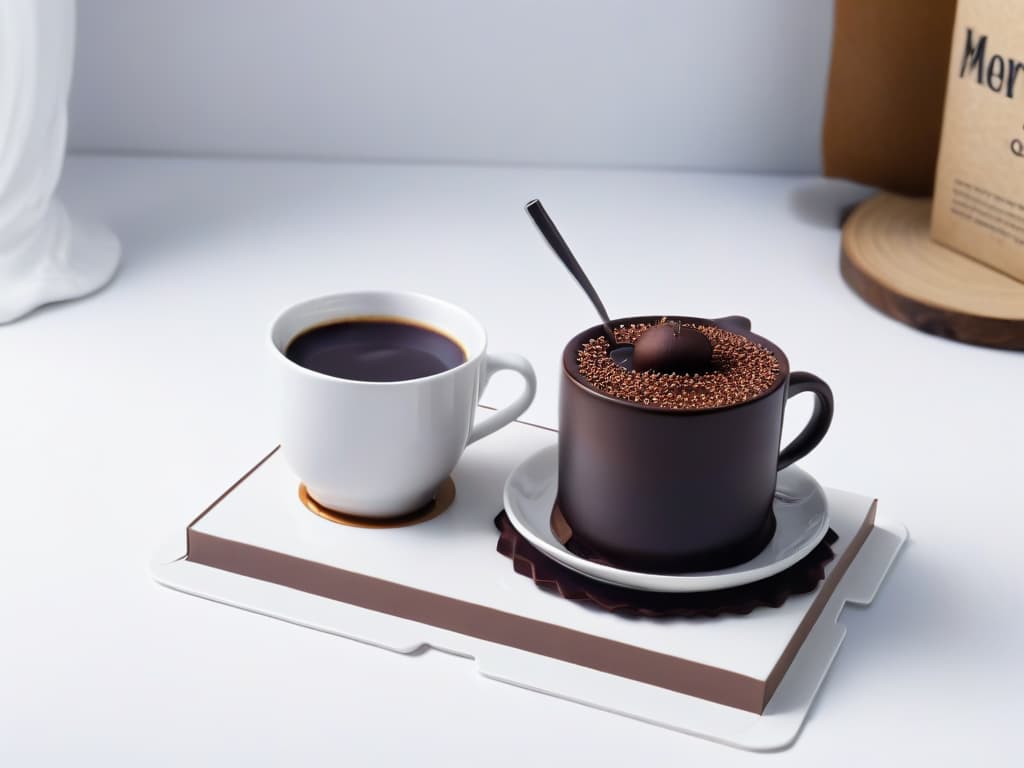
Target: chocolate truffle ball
671	347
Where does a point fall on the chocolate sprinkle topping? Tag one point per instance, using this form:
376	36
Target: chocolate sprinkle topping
740	370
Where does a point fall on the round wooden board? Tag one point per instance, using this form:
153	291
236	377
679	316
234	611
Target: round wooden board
890	260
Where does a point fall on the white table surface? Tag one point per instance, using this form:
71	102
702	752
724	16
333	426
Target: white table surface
123	415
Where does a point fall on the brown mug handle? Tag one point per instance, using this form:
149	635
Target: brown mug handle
821	418
733	322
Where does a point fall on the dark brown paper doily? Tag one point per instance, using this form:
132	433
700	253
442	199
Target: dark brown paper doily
798	579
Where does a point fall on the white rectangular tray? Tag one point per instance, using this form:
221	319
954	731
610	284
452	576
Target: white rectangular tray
368	575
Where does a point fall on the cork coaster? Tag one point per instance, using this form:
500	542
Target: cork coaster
891	261
800	578
442	500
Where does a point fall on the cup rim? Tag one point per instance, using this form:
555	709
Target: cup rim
570	367
413	295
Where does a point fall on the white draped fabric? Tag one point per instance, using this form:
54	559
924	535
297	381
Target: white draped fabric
45	254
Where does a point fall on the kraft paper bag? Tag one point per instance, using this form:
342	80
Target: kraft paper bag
979	184
883	114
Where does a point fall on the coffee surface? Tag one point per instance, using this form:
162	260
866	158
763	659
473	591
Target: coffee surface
740	370
375	350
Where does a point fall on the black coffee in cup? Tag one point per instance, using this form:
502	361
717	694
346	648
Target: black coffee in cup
375	349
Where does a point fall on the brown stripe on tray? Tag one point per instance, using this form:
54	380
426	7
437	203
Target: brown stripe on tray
493	625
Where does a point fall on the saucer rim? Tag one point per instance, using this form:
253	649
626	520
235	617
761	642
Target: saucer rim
704	581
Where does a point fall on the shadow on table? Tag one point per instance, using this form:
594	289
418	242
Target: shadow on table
826	203
912	611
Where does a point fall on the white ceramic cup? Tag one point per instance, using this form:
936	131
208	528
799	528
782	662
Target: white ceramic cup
381	449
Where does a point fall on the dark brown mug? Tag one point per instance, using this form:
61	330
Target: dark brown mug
672	491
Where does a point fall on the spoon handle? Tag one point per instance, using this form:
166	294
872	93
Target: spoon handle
557	242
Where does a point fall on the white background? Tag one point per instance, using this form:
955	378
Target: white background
730	84
124	414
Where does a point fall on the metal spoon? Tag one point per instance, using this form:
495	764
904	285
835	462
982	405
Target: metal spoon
621	354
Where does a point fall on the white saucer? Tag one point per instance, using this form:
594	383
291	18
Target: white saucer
800	514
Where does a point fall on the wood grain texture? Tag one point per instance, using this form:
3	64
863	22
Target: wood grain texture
890	260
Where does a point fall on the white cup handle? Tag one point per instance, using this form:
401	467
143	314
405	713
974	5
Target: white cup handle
492	364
